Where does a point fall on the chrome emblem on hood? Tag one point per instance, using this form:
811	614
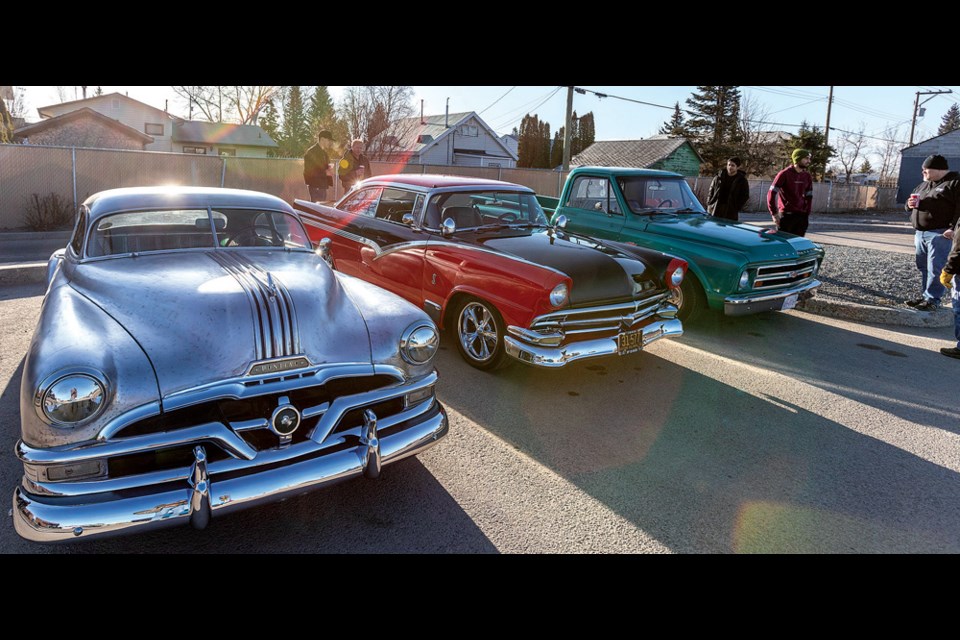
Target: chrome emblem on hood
278	366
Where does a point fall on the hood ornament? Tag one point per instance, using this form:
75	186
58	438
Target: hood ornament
274	291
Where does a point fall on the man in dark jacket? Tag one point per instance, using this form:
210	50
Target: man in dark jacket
316	167
950	278
729	191
934	208
791	195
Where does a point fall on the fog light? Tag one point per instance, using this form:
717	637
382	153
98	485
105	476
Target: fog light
78	471
418	396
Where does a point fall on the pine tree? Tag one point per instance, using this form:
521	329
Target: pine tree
295	131
951	120
713	122
675	126
556	152
528	141
866	167
813	140
320	112
588	131
270	122
543	146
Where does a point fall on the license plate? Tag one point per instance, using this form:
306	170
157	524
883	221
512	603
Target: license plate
789	302
629	342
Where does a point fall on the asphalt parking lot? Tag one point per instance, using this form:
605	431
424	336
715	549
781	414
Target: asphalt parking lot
780	433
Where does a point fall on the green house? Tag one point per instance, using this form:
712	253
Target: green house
658	152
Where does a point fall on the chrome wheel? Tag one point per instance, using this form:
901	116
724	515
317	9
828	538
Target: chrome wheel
477	331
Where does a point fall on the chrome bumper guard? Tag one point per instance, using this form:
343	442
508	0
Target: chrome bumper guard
553	357
65	511
756	303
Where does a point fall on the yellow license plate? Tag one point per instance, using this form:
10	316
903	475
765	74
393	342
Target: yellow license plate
629	342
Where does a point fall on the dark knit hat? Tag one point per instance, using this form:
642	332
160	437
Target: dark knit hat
935	162
799	154
325	134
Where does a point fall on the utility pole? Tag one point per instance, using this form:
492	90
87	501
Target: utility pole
826	132
568	132
916	107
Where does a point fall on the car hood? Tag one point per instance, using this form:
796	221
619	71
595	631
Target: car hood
203	317
598	273
754	242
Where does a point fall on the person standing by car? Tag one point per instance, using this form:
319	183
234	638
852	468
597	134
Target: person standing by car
729	191
316	167
354	166
791	195
949	278
934	208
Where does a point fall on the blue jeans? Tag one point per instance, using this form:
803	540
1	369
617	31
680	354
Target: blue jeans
956	310
932	251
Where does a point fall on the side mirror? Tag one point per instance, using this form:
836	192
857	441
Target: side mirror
407	219
448	228
598	207
560	222
323	250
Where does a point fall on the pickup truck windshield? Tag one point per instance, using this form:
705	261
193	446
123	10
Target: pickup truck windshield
647	195
472	209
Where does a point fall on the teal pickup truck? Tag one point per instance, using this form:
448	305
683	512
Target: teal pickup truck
734	267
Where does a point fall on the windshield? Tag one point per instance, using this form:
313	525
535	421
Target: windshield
645	194
175	229
472	209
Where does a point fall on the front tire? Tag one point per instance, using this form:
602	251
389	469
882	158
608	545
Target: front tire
479	334
689	299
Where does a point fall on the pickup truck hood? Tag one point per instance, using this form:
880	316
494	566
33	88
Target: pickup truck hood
598	273
754	242
206	316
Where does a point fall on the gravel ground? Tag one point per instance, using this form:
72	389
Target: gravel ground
870	276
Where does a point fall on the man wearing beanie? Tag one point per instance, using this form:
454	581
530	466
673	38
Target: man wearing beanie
316	167
791	195
934	208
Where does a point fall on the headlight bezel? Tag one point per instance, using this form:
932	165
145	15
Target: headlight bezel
82	377
413	339
744	281
559	295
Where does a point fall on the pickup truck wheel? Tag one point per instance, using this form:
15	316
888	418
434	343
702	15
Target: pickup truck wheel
480	331
689	298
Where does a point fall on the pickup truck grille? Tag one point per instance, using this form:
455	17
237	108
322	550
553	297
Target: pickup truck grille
607	318
784	274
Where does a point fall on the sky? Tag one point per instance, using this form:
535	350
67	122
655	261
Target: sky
617	118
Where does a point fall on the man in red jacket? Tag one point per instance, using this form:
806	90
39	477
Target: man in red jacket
791	195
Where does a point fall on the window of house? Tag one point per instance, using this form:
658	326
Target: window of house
470	130
198	150
153	129
227	152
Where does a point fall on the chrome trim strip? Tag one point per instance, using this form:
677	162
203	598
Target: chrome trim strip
748	298
259	338
44	522
125	420
561	356
345	234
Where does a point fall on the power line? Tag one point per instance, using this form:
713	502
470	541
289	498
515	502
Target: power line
515	119
499	99
507	117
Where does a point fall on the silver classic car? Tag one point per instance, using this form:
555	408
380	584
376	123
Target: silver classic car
195	355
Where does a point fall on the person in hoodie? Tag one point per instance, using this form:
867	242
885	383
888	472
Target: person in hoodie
934	208
950	278
729	191
791	195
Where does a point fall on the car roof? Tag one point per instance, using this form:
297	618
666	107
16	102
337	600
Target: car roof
628	171
436	181
139	198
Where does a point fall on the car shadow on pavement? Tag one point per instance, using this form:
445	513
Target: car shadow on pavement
703	466
14	292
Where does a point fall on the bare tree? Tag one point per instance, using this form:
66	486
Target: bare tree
208	100
227	104
63	95
850	148
248	102
382	116
887	154
759	147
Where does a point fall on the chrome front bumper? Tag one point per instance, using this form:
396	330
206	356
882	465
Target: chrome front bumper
553	357
747	304
42	518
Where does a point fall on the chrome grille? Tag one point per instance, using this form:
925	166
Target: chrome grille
783	274
606	318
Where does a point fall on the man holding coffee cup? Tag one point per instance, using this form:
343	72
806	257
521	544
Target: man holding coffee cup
934	208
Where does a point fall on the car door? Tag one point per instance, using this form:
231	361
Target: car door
592	207
394	260
351	235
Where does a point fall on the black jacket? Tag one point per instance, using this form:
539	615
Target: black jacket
737	196
953	260
939	204
315	163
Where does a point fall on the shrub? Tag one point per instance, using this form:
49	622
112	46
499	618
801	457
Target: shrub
47	213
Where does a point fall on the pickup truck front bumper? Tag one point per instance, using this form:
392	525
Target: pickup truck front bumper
750	303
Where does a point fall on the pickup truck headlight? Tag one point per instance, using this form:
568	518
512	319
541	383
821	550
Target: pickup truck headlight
419	343
745	280
71	399
559	295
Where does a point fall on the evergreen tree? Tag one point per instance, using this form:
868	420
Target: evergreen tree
320	112
295	131
528	141
714	123
588	131
866	167
675	126
270	122
98	92
556	152
813	140
951	120
543	146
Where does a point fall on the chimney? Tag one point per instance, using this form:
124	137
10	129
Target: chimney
446	120
421	111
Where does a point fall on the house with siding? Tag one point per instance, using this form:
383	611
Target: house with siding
658	152
911	160
82	128
168	132
462	139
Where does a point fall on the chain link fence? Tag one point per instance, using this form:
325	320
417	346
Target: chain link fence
75	173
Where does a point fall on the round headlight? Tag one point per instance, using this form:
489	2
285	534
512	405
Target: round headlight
558	297
744	280
419	343
72	399
676	278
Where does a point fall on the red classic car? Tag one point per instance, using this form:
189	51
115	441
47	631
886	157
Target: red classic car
478	256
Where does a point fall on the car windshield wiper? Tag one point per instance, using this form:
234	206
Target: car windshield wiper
688	210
